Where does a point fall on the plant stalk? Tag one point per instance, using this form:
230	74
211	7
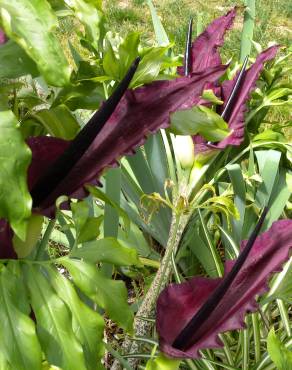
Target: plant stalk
142	327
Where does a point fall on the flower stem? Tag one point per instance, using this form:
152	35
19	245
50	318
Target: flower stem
142	327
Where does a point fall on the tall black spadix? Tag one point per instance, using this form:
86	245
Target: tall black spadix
62	166
188	50
233	95
195	328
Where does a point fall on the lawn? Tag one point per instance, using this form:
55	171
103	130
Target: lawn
273	21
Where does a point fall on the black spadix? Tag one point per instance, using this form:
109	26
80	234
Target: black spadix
62	166
233	95
188	50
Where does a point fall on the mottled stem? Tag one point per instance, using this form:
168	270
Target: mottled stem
142	327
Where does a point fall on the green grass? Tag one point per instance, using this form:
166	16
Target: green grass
273	21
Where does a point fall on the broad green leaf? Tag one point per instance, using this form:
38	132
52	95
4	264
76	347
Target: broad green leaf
107	250
58	122
199	120
128	51
19	344
149	66
280	355
269	135
110	63
85	95
162	362
87	325
108	294
34	229
9	53
54	322
87	227
31	24
90	15
15	202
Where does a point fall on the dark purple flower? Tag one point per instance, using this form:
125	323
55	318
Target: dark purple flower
204	54
178	304
204	49
61	167
238	108
139	113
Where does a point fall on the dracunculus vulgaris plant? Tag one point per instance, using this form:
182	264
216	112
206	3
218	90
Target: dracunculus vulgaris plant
192	314
203	53
61	167
200	55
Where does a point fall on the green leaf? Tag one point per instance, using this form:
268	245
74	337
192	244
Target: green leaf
90	15
19	344
87	325
10	52
128	51
108	294
30	23
15	202
199	120
113	192
149	67
239	190
34	230
283	284
159	30
269	135
272	98
58	122
54	322
107	250
86	95
162	362
248	28
87	228
268	161
280	355
211	97
97	193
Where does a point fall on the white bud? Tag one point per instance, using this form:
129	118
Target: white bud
185	150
